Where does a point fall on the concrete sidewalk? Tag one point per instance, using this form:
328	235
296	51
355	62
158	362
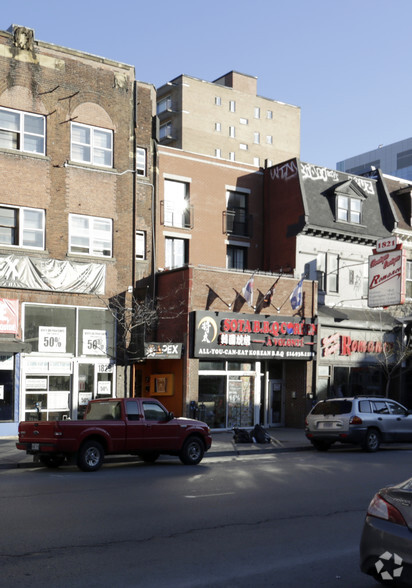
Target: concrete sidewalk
282	440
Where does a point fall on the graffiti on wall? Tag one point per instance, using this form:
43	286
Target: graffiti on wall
285	171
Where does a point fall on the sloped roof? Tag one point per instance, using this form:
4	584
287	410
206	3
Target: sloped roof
320	186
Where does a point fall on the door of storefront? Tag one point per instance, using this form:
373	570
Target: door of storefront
94	380
276	404
228	396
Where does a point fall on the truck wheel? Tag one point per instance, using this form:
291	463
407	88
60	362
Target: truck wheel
192	451
52	461
372	440
90	457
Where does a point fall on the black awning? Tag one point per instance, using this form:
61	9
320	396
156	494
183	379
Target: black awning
12	345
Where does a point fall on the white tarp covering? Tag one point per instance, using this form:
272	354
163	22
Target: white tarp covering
52	275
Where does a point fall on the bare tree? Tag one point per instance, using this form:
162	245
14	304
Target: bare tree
393	359
137	317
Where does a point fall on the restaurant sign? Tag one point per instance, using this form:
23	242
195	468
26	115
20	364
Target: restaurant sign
243	336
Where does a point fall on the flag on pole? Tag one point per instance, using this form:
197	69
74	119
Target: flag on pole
296	296
247	291
268	296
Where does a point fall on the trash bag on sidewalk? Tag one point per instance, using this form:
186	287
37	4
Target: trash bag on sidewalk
260	435
241	436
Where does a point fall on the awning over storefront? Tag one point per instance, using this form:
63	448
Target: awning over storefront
374	318
13	345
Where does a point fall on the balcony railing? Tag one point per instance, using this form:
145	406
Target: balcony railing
176	217
237	224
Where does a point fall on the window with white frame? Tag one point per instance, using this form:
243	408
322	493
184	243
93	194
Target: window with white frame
243	121
22	131
332	268
349	209
176	204
256	138
140	245
256	161
165	130
231	155
91	145
141	161
232	132
218	100
89	235
218	153
164	104
243	146
176	252
269	114
257	112
218	127
269	139
22	227
232	106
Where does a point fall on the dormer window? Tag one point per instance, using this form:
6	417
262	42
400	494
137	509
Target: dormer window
349	198
349	209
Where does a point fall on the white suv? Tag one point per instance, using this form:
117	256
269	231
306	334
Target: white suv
361	420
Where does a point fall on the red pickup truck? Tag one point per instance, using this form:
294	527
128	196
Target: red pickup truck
136	426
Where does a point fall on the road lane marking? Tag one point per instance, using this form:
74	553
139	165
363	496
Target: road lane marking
209	495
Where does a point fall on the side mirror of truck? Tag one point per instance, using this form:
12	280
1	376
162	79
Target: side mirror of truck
171	416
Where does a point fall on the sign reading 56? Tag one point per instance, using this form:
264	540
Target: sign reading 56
94	342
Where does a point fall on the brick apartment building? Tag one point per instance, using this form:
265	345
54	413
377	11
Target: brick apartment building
216	356
75	228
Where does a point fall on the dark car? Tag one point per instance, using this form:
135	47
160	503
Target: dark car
360	420
386	543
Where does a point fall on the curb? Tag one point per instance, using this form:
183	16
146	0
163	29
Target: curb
235	452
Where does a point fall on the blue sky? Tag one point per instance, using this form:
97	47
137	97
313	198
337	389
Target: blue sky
345	63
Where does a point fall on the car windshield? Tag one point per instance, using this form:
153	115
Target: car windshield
333	407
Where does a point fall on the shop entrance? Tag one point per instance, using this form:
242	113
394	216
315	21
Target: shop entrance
227	396
276	404
95	380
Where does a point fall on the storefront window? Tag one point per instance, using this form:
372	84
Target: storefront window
210	365
357	380
47	397
212	401
50	329
237	365
96	332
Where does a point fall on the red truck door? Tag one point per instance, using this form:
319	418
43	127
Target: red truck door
162	433
136	426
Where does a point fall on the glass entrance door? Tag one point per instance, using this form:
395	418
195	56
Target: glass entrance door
95	380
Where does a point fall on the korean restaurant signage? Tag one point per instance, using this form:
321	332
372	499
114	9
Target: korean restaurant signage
387	278
9	316
341	345
231	335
